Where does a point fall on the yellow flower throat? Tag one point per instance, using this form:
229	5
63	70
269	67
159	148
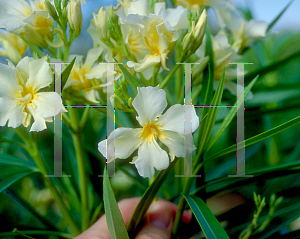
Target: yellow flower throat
26	96
152	131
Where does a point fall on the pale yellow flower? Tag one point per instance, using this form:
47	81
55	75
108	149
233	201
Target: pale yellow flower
244	33
21	97
223	55
159	32
88	76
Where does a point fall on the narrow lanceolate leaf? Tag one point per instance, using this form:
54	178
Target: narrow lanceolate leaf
230	116
208	74
114	218
278	16
271	67
66	73
6	183
129	78
6	159
209	122
147	199
256	138
206	219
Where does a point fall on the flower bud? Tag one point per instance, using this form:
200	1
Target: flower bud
75	17
51	10
119	104
32	36
114	27
100	23
200	28
13	46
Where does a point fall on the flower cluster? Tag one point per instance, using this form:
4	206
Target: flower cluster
147	37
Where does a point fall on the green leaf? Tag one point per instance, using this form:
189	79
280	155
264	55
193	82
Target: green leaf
271	67
6	183
225	184
147	199
66	73
12	142
278	16
15	161
208	124
206	219
38	232
230	116
129	78
114	218
257	138
208	74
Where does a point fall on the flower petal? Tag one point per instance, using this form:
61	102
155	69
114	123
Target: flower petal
126	141
39	123
138	7
12	112
40	74
146	63
149	103
151	156
173	119
90	96
8	81
175	143
23	66
48	104
93	55
97	71
255	29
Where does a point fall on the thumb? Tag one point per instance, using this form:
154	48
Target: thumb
159	222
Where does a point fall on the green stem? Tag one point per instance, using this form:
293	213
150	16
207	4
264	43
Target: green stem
182	204
154	75
143	79
84	118
66	54
169	76
76	135
179	83
35	154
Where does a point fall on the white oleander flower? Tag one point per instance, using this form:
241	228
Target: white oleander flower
153	36
168	128
223	55
244	33
20	98
87	76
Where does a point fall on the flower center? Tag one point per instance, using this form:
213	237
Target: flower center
27	96
78	74
151	131
152	38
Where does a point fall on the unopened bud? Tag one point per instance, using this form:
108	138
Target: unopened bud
130	100
113	26
119	104
100	22
75	17
200	27
51	10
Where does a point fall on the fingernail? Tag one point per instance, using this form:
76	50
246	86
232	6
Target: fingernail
160	216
